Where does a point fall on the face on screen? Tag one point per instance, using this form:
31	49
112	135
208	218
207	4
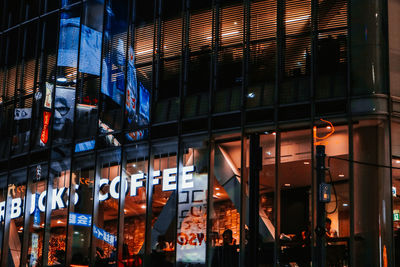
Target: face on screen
61	110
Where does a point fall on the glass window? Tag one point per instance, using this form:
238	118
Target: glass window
163	204
113	67
295	197
297	65
3	199
37	188
41	114
136	174
15	215
224	237
56	206
67	64
105	223
337	175
80	213
192	204
89	67
396	187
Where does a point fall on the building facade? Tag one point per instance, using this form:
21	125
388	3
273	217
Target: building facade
184	132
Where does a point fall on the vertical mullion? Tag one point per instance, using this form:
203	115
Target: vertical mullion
26	232
95	207
312	82
68	247
46	238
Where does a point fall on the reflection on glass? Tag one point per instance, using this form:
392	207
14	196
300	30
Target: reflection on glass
192	206
16	196
267	195
37	187
135	174
105	225
59	180
80	214
63	114
224	237
163	220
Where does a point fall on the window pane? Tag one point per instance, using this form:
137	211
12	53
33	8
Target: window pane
37	188
16	196
135	205
163	220
295	197
80	214
192	204
224	237
55	237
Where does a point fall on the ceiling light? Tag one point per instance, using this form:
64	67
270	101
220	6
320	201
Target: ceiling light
59	221
62	79
251	95
218	194
287	185
328	127
306	163
143	206
341	175
134	165
398	161
345	205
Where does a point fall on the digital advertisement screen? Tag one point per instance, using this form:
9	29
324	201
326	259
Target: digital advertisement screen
131	91
90	51
68	42
144	108
64	104
113	76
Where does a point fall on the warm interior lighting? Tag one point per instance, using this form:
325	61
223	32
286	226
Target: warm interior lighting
306	163
298	19
143	206
341	175
225	34
144	52
287	185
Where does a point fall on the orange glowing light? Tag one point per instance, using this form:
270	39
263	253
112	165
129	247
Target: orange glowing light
316	137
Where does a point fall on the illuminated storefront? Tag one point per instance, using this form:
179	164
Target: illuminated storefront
184	133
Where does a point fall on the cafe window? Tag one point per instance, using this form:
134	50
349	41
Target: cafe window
163	204
337	223
14	216
37	186
80	213
54	246
192	203
105	223
224	237
396	187
136	176
295	197
3	199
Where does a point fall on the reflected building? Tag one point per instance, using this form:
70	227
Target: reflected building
184	133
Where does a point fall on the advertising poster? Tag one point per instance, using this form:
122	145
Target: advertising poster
131	91
68	42
144	109
90	51
64	104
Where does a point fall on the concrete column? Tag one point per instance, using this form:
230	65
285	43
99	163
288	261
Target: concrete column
368	35
372	195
